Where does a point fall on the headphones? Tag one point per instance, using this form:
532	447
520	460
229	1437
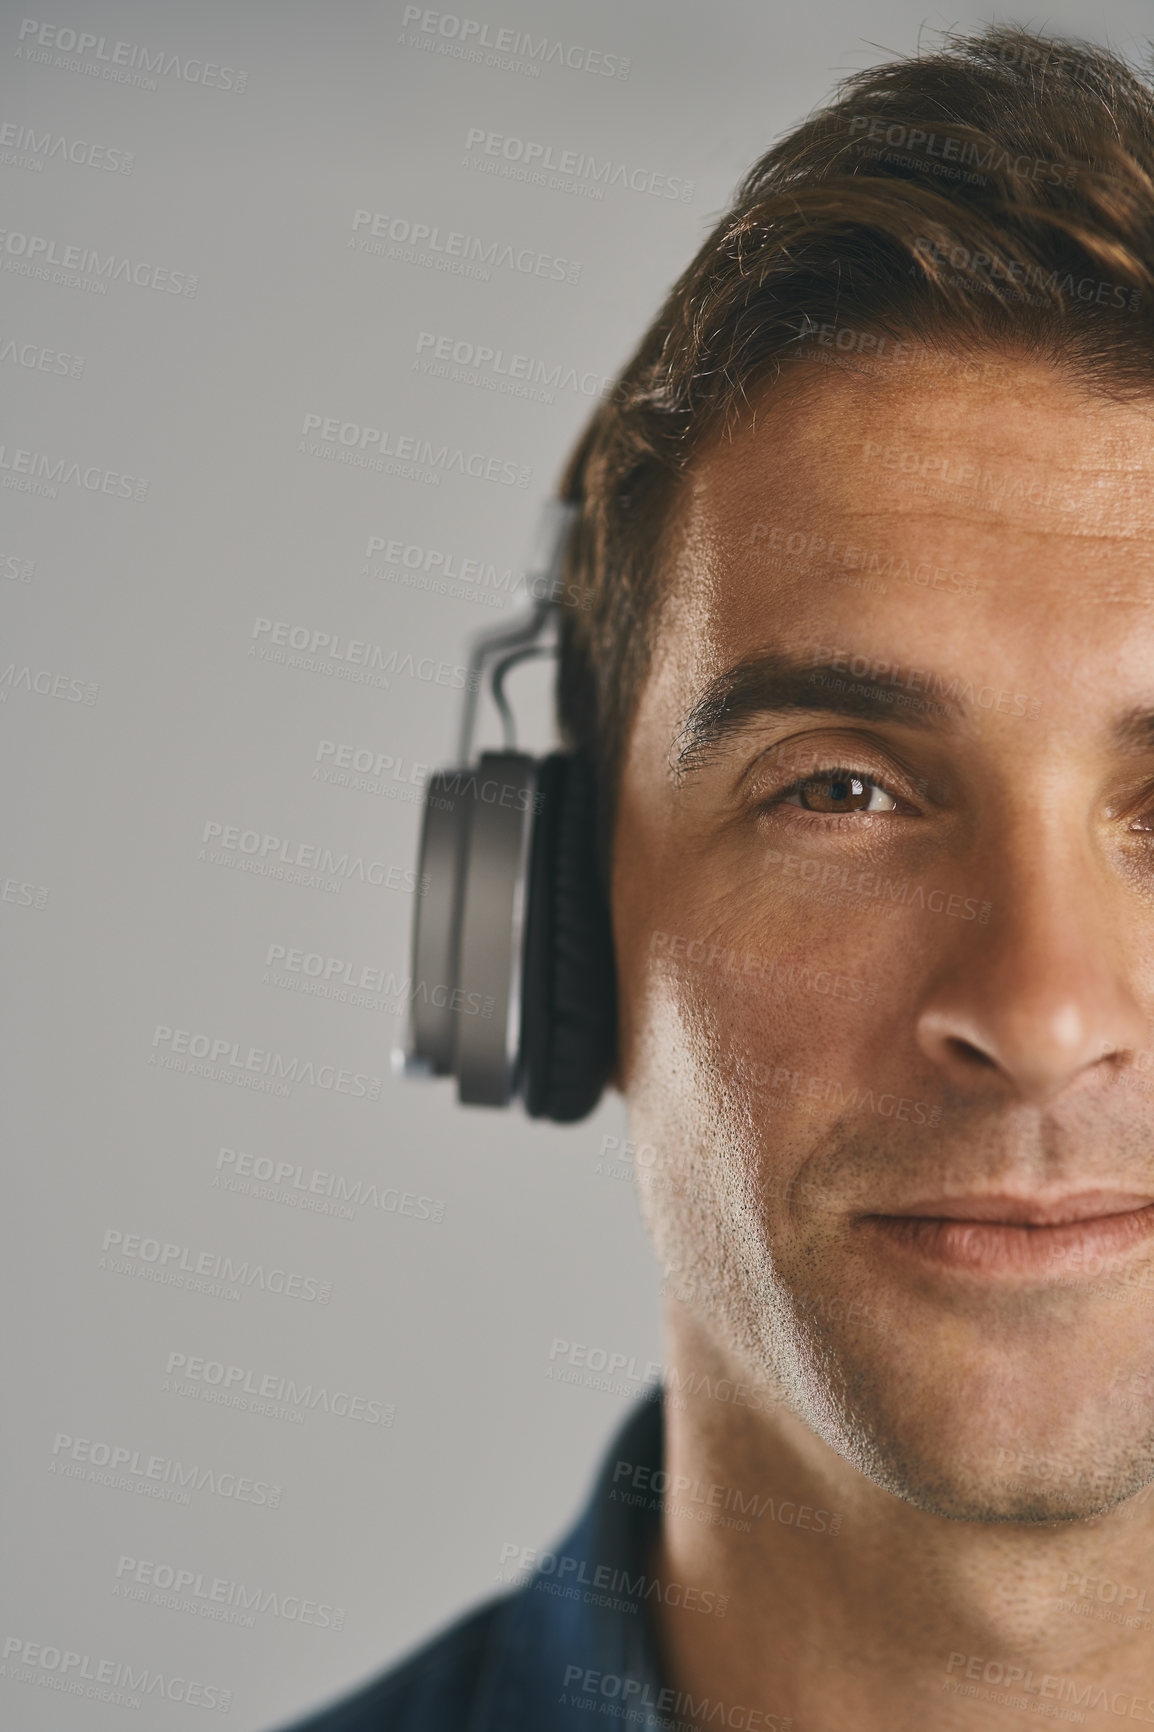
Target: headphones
512	983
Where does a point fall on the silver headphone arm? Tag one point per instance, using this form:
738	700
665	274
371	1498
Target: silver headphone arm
556	521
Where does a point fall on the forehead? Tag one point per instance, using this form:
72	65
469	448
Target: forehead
920	516
866	441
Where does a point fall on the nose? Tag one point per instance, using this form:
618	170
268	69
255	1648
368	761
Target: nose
1043	993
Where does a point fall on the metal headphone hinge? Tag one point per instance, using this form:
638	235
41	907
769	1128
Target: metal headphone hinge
501	649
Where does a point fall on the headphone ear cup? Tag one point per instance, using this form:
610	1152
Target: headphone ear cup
569	989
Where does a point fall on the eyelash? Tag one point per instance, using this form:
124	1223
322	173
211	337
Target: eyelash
836	820
826	820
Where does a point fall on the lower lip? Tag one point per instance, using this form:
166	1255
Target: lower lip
1076	1250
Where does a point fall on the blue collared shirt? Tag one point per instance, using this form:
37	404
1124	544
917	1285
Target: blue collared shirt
573	1648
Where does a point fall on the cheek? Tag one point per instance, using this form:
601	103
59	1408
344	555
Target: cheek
714	1067
749	1004
699	1195
751	998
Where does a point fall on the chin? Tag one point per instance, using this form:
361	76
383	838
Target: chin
987	1491
976	1445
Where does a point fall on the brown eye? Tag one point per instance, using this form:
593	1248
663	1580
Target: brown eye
841	791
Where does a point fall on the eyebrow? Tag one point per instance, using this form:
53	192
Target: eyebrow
774	682
1134	732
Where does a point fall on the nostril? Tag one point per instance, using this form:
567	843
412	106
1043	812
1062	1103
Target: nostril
970	1054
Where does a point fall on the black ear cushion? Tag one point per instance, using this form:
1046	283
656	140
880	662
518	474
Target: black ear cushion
569	990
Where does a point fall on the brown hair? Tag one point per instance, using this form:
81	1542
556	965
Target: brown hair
997	195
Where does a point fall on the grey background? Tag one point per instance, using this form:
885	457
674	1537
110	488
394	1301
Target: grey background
113	925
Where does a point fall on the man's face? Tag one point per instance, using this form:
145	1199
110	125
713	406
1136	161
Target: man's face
886	945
